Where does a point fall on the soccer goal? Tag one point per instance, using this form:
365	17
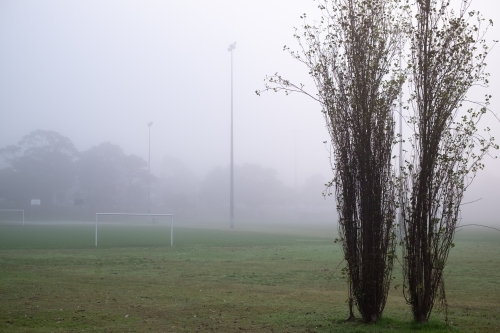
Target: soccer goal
12	212
133	214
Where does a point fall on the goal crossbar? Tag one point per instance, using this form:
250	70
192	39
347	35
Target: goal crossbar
135	214
13	210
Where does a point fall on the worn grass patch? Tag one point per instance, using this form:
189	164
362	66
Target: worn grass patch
52	279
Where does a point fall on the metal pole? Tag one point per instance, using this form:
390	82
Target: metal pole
231	177
172	230
296	194
232	151
149	166
96	230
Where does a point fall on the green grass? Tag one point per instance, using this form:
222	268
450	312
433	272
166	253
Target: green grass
53	279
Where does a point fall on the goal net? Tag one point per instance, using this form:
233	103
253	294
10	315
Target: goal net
134	220
8	216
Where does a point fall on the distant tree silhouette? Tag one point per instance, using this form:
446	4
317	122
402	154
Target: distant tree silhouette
41	167
108	177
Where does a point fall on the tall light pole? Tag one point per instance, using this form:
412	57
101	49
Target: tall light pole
296	193
231	177
149	166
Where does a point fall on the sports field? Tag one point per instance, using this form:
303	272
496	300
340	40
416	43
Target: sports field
53	279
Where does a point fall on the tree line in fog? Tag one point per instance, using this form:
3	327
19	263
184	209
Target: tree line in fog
45	165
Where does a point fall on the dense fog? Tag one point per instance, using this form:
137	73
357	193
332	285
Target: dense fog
81	80
73	185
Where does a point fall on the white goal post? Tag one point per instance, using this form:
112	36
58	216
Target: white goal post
133	214
13	210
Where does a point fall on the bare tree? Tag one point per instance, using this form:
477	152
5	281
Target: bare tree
352	57
447	53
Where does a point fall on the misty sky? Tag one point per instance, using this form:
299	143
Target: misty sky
99	71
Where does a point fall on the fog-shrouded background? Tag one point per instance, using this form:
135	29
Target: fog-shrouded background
97	72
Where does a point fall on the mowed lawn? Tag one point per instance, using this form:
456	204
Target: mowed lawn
53	279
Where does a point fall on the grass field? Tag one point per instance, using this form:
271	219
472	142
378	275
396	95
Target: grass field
53	279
